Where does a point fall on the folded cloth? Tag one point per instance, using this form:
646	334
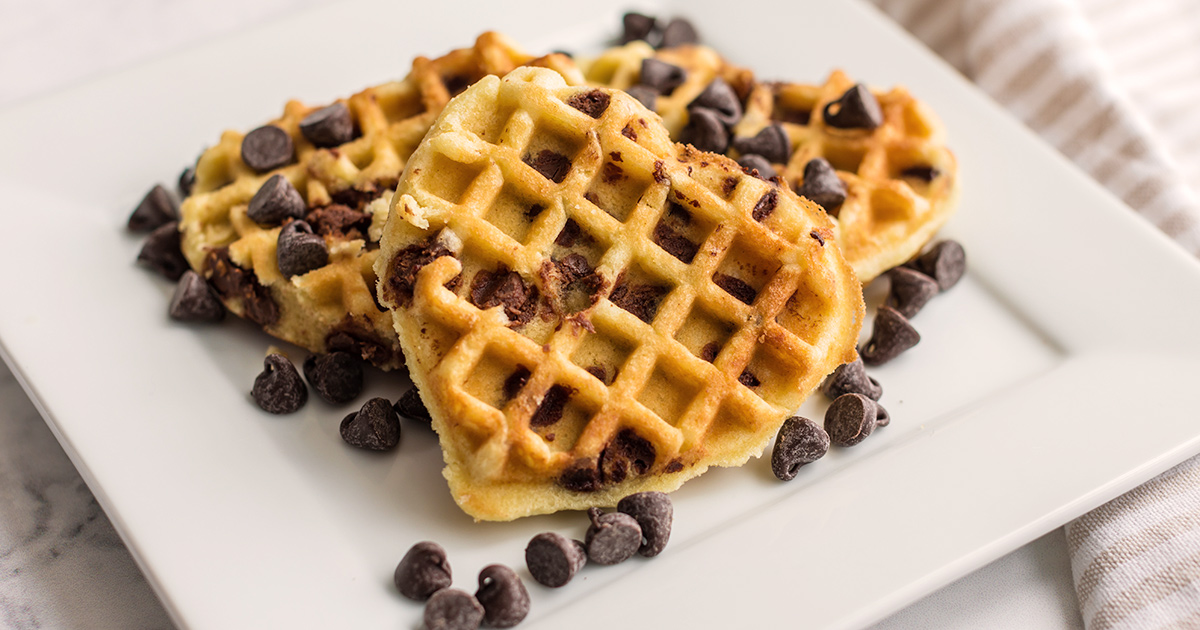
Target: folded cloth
1115	86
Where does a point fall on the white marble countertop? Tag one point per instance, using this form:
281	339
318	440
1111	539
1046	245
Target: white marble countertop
62	565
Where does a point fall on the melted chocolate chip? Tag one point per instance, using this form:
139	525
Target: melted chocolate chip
573	267
757	166
628	453
570	233
423	571
599	372
410	406
339	221
505	288
736	287
771	143
823	186
156	209
675	243
516	381
677	33
274	203
857	108
910	290
748	378
705	131
592	102
503	596
406	264
710	351
161	252
551	409
235	283
851	378
661	76
612	538
891	336
550	164
640	299
299	251
720	98
452	609
278	389
337	376
800	442
553	559
765	206
195	301
375	427
267	148
328	126
581	476
654	514
850	419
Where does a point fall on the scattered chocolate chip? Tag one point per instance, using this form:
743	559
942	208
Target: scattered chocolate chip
277	201
592	102
851	378
423	571
675	243
503	596
823	186
644	95
553	559
195	301
757	166
677	33
353	337
278	389
405	266
375	426
705	131
637	26
850	419
891	336
910	290
551	409
765	205
328	126
661	76
187	181
299	251
748	379
882	419
771	143
720	97
161	251
736	287
505	288
627	453
800	441
924	173
266	148
612	538
550	164
857	108
946	263
654	514
156	209
337	376
235	283
410	406
452	609
640	299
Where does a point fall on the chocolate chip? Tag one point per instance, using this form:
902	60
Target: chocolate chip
375	426
582	475
679	32
757	166
823	186
748	379
278	389
612	538
891	336
161	251
771	143
910	290
592	102
553	559
355	338
156	209
235	283
800	441
850	419
452	609
505	288
675	243
503	596
410	406
627	453
924	173
857	108
405	266
550	164
637	26
275	202
570	233
339	221
328	126
644	95
266	148
720	97
551	409
851	378
882	419
573	267
765	205
705	131
422	571
736	287
516	381
187	181
195	301
299	251
599	372
710	351
654	514
661	76
337	376
640	299
946	263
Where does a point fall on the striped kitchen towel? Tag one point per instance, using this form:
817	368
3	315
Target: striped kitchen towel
1115	86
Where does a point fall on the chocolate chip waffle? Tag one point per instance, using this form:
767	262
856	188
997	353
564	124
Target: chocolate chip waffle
590	310
338	166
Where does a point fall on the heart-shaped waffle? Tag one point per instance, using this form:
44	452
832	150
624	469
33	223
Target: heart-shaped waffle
590	310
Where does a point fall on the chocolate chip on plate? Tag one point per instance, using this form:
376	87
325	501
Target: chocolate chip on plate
677	33
187	181
422	571
503	596
800	441
550	164
612	538
823	186
891	336
857	108
637	26
410	406
452	609
337	376
654	514
267	148
161	251
705	131
328	126
851	378
771	143
154	210
661	76
279	388
299	251
850	419
375	427
757	166
195	301
275	202
644	95
553	559
910	290
882	418
721	99
946	262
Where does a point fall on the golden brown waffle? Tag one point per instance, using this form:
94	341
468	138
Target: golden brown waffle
590	310
331	307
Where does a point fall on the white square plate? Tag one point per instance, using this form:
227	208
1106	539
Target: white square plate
1057	375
